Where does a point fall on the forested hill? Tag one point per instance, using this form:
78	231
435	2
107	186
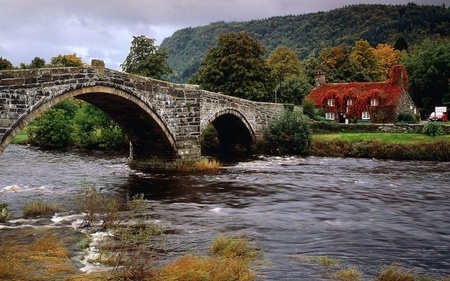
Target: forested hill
308	34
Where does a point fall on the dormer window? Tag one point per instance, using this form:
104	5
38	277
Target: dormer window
330	102
373	102
349	102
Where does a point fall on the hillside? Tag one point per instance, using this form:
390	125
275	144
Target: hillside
308	34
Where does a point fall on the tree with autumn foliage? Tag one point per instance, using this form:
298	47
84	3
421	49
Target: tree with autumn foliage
387	56
236	67
67	61
365	60
146	59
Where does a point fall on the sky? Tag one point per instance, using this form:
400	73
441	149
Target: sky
104	29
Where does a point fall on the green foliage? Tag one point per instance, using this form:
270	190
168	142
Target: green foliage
67	61
54	127
235	66
407	117
146	59
284	64
5	64
309	108
37	62
309	33
94	129
209	140
432	129
428	67
289	134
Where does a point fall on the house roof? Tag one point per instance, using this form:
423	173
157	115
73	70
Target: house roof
388	91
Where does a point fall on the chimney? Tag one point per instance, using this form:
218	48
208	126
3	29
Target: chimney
320	79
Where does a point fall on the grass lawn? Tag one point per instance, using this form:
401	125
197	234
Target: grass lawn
400	138
22	137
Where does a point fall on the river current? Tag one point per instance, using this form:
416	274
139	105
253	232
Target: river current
366	212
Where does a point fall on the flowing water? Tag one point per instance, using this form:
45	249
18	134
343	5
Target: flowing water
365	212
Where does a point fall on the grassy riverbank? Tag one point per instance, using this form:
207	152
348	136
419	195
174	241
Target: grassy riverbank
398	146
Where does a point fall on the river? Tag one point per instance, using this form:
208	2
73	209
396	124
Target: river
366	212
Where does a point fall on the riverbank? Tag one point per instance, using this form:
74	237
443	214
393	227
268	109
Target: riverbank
397	146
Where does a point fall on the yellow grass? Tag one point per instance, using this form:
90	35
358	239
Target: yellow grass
201	165
39	208
195	268
46	256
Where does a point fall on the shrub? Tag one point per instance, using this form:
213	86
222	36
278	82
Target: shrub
309	108
234	247
289	134
4	213
40	208
432	129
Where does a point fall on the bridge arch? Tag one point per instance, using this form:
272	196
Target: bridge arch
233	129
135	116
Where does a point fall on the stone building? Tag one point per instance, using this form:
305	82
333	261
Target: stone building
378	102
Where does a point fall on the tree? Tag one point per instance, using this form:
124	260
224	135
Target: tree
289	134
146	59
387	57
53	128
364	58
37	62
335	61
284	64
67	60
236	67
94	129
428	66
401	44
5	64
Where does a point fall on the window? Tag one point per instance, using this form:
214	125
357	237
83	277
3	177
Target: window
329	115
349	102
373	102
330	102
365	115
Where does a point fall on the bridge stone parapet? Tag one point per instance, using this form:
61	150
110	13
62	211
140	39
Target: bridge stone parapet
163	120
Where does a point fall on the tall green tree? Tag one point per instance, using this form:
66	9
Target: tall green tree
428	66
37	62
284	64
146	59
5	64
236	67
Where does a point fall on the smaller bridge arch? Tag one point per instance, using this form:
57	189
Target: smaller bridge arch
233	129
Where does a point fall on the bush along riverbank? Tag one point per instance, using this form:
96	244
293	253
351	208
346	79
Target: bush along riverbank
426	142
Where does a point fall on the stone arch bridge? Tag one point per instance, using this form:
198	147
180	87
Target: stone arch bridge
163	121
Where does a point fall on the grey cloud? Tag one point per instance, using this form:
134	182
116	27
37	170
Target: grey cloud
104	28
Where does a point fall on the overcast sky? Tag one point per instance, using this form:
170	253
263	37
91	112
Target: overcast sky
103	29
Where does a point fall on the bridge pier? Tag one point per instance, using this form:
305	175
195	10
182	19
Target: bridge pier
163	160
